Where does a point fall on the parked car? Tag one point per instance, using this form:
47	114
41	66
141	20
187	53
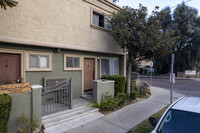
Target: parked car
183	116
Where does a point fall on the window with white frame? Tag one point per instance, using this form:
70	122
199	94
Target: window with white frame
100	20
109	67
39	61
72	62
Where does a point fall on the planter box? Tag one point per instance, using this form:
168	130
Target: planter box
15	88
101	87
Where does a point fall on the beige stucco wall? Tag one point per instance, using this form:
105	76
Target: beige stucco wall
63	23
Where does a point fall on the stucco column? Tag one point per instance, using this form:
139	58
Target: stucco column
37	102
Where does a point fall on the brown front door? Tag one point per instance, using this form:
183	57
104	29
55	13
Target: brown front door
9	67
89	73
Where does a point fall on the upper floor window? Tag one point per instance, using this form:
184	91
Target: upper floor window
100	20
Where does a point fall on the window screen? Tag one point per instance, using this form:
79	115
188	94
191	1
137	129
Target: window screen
105	69
38	61
98	19
109	67
72	62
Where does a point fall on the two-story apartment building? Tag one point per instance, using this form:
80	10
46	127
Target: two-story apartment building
65	38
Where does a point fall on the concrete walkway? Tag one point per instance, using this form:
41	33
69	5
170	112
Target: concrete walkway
124	119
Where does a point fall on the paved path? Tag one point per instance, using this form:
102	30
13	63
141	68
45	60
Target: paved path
124	119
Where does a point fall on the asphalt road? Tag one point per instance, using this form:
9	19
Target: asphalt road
188	87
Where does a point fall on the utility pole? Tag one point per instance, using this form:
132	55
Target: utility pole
172	77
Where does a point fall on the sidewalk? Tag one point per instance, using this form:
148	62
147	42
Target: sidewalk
124	119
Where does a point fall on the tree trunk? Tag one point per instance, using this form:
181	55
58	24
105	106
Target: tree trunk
128	90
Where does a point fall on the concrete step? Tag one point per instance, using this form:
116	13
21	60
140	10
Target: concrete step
53	115
66	120
87	97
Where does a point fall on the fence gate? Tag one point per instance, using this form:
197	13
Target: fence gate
56	95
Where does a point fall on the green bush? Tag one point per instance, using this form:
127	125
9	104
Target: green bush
5	109
26	125
121	98
120	82
133	95
107	103
133	85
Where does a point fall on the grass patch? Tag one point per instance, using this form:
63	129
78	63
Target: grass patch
145	126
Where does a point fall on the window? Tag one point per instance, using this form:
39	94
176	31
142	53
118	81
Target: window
109	67
178	121
39	62
72	62
100	20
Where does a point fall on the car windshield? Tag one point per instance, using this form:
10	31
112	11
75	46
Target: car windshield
176	121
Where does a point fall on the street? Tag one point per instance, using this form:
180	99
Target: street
188	87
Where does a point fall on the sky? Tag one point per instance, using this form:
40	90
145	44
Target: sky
150	4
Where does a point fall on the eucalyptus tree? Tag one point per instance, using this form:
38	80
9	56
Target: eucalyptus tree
142	36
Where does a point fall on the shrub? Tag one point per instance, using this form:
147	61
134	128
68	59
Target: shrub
133	86
120	82
144	89
5	109
26	126
121	98
133	95
107	103
110	104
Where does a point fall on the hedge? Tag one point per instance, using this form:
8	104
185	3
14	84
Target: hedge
5	109
120	82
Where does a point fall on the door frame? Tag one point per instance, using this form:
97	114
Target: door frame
95	67
21	53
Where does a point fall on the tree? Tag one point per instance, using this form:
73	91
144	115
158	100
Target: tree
196	44
5	3
142	37
162	64
186	25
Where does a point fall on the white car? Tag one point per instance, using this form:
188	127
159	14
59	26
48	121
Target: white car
183	116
